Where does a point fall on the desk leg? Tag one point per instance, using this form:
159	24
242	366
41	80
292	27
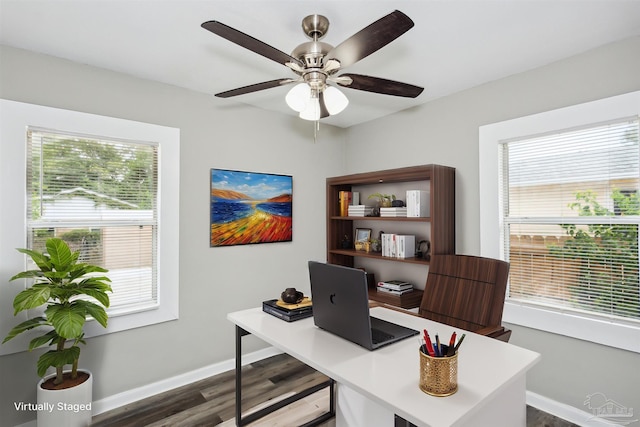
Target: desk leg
239	334
401	422
282	403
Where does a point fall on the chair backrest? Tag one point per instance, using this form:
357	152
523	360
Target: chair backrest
465	291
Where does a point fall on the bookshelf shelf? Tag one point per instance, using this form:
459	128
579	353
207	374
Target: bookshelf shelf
375	255
378	218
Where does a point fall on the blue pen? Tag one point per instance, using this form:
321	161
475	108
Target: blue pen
439	352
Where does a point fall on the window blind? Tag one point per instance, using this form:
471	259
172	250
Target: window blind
570	216
100	196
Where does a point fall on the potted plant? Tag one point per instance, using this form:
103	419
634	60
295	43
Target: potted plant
60	283
384	200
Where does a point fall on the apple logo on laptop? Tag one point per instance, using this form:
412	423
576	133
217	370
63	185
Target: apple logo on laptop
332	298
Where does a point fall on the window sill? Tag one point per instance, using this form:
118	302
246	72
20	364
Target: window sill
618	335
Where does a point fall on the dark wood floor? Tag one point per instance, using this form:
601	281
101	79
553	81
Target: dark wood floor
211	402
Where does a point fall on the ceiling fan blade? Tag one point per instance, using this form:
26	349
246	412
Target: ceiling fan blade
248	42
371	38
379	85
254	88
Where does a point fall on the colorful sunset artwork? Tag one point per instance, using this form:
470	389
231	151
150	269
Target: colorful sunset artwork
250	207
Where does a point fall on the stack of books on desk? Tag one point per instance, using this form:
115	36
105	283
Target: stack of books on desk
360	210
395	287
393	212
288	312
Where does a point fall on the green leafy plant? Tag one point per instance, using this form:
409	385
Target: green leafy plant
59	283
607	254
383	199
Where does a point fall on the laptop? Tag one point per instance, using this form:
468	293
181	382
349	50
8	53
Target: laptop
341	306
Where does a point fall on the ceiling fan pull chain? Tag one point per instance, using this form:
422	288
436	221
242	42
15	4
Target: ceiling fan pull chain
316	129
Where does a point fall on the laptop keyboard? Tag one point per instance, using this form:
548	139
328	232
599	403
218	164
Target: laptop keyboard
378	336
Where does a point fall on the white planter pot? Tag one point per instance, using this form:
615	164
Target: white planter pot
70	407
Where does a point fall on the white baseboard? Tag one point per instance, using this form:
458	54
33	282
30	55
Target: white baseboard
566	412
130	396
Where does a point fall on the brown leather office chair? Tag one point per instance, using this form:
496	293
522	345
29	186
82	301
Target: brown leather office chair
467	292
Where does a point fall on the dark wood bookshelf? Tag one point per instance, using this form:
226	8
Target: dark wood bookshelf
440	225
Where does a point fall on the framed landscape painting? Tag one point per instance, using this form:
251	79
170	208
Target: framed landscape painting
250	207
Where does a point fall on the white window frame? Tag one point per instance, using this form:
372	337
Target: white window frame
16	117
608	332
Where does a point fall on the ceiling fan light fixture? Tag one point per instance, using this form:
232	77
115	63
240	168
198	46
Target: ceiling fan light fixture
312	109
298	97
334	100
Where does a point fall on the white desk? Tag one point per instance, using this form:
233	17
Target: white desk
374	385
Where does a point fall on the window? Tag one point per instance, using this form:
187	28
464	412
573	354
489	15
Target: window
110	187
559	194
567	247
100	196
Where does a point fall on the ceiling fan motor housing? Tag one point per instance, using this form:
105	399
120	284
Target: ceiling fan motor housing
312	53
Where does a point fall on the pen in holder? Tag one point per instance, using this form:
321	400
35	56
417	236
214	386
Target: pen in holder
439	375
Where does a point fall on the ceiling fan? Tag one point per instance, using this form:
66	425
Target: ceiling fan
316	64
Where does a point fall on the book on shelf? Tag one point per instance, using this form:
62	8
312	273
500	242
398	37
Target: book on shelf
345	199
397	285
280	309
417	203
393	212
398	245
388	244
394	292
359	210
406	246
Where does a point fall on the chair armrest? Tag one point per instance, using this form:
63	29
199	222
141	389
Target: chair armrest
490	330
496	331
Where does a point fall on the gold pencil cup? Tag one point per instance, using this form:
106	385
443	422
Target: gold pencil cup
438	375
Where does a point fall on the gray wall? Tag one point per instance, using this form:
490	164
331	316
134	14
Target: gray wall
214	281
446	132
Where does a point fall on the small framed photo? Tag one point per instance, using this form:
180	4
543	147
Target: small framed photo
362	235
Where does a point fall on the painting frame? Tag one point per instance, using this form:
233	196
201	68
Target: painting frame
249	207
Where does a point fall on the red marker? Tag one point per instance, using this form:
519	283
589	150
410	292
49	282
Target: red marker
429	345
452	341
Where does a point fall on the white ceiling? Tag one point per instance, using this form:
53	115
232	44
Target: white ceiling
455	44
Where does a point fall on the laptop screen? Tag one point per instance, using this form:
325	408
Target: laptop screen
341	301
341	306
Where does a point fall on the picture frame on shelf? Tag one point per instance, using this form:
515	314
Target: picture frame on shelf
362	235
